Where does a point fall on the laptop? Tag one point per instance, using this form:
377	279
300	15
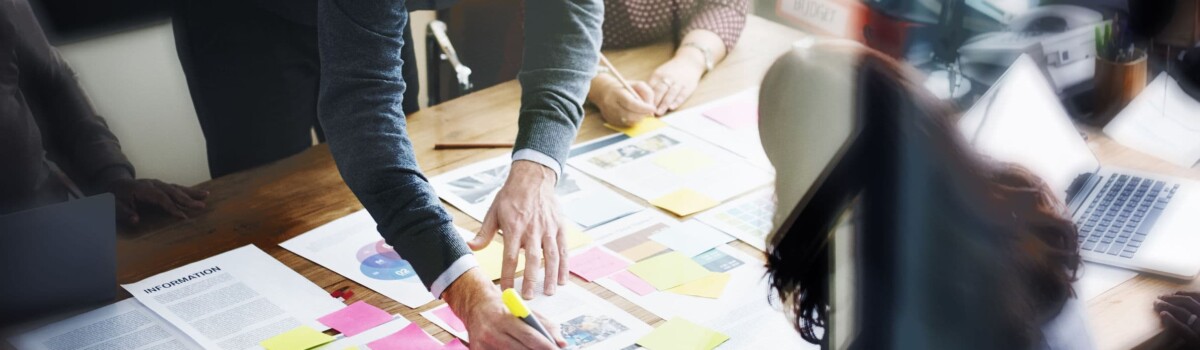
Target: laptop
1126	218
57	259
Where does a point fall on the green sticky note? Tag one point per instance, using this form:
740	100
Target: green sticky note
299	338
681	334
668	270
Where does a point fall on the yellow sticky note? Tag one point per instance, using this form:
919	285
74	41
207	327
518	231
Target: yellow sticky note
681	334
491	259
711	286
684	202
668	270
683	161
299	338
576	238
646	125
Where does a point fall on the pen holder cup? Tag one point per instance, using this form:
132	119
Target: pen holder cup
1116	84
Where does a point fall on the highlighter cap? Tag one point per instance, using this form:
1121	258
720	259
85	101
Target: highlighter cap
514	303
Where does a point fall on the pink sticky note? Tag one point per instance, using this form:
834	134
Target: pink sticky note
409	338
735	115
596	263
356	318
454	345
450	318
631	281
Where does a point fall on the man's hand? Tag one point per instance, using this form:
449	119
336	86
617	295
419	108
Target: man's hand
526	210
1180	314
477	302
133	196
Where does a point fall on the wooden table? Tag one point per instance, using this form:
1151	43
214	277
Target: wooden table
273	203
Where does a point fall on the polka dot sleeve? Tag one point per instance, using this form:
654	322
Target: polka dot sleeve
726	18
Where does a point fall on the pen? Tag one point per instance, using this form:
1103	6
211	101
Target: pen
517	308
615	73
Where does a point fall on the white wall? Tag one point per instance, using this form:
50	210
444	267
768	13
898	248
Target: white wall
135	81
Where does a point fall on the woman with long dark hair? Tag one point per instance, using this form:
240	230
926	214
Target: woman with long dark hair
891	231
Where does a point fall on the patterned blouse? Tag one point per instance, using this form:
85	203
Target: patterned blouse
629	23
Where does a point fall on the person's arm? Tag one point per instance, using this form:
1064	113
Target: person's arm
562	48
707	37
80	141
86	149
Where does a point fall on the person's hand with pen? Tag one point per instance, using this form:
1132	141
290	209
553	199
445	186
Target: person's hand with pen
489	320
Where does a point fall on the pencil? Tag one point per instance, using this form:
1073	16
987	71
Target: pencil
611	68
468	145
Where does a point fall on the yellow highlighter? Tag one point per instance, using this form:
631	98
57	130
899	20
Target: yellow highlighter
517	308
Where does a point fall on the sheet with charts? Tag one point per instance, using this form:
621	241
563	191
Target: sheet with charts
730	122
586	320
584	201
126	324
352	247
742	309
1161	121
671	169
234	300
749	218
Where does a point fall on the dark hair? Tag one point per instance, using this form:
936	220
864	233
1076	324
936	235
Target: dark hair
1038	252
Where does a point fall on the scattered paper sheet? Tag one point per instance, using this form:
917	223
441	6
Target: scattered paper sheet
683	161
356	318
595	263
234	300
632	164
739	136
352	247
360	341
759	324
1095	279
1161	121
710	287
691	238
299	338
586	320
444	317
126	324
684	202
749	218
491	258
584	201
680	334
643	126
411	337
668	270
631	281
454	344
736	115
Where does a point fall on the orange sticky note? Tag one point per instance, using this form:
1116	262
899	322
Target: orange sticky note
685	202
646	125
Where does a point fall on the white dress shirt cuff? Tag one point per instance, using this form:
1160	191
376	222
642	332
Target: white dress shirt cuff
452	273
540	158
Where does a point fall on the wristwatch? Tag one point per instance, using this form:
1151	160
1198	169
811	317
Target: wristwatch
708	57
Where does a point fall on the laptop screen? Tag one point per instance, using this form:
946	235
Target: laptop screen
1020	120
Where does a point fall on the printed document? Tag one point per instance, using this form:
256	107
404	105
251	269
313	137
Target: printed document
234	300
126	324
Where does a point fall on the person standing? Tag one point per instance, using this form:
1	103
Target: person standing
359	107
253	72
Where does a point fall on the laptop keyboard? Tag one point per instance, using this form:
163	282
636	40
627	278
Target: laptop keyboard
1117	221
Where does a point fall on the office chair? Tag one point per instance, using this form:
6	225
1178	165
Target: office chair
872	203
